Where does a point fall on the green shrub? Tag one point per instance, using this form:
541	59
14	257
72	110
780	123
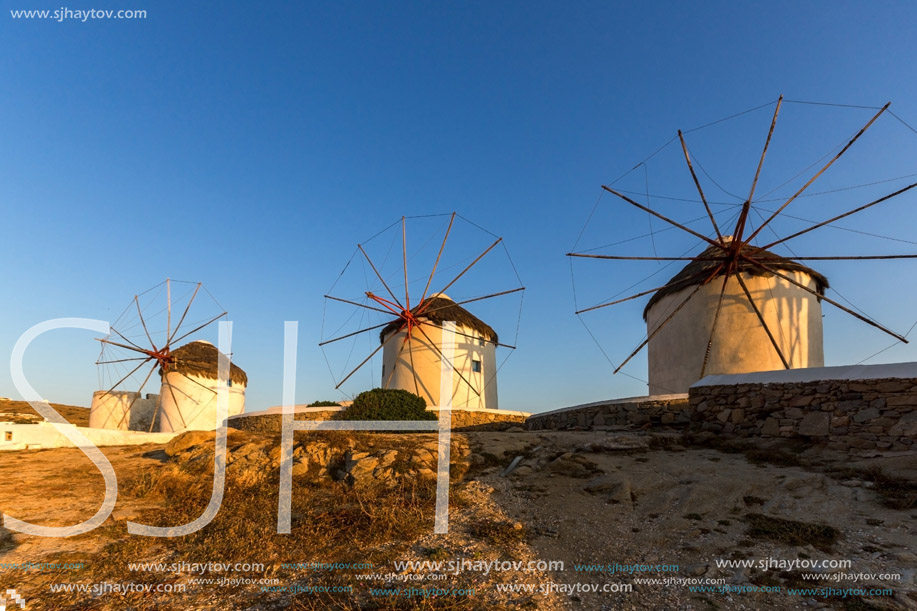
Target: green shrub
324	404
387	404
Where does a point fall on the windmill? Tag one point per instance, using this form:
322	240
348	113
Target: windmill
147	337
377	306
737	306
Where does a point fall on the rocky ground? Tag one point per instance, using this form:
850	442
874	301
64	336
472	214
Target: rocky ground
587	499
599	498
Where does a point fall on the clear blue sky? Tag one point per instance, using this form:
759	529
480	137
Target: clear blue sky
251	147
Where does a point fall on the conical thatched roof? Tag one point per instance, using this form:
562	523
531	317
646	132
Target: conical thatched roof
689	275
201	359
438	309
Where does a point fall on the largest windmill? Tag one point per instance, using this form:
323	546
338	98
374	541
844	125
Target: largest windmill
737	306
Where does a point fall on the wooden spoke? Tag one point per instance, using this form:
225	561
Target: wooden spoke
379	276
337	339
168	308
360	305
183	314
817	174
840	216
436	263
462	273
184	424
716	316
828	299
190	379
684	148
120	345
751	301
198	328
624	258
366	360
413	369
491	296
119	334
136	358
143	322
664	218
442	356
754	183
132	372
404	258
156	412
435	326
659	328
647	292
134	400
856	258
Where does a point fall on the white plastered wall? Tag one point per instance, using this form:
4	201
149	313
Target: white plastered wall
398	372
740	345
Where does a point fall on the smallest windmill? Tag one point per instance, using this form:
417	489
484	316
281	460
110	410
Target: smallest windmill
146	338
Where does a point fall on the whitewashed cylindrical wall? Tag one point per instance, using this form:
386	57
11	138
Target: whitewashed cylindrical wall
110	409
740	344
398	370
189	402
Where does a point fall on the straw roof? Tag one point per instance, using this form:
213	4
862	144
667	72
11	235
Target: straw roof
688	276
201	359
439	309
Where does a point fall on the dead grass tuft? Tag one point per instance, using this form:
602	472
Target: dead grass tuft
791	532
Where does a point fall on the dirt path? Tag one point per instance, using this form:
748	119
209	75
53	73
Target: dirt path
594	498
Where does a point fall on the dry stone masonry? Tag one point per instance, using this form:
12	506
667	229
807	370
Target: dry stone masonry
876	413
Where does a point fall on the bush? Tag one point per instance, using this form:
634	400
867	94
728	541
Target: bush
387	404
324	404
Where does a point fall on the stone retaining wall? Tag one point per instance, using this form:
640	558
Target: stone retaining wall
271	422
878	413
656	411
462	420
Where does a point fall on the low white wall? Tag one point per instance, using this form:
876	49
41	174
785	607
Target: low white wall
46	435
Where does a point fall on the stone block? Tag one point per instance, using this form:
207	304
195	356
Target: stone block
815	424
902	401
801	400
865	415
894	386
906	426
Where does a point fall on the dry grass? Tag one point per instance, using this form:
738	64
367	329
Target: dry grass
78	416
791	532
896	493
331	522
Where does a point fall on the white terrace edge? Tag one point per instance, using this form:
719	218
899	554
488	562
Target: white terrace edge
813	374
643	399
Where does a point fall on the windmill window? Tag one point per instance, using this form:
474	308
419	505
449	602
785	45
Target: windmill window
475	366
8	435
